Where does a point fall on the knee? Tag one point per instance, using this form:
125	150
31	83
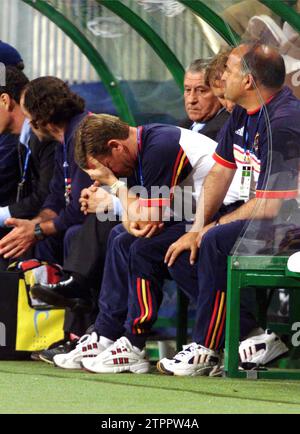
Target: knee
139	246
180	266
117	230
210	236
142	257
70	232
222	238
121	241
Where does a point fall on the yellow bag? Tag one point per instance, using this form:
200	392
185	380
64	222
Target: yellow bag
27	324
36	329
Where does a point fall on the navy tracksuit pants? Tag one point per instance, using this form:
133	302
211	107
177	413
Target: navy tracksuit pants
134	272
210	276
56	248
132	282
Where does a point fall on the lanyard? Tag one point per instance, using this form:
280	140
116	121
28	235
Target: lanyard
24	173
67	179
246	135
25	167
139	143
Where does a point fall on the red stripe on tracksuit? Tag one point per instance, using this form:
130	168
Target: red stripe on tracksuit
149	299
142	308
222	325
213	319
141	320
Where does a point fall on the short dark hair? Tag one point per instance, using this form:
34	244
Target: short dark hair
50	100
93	134
15	82
265	64
20	65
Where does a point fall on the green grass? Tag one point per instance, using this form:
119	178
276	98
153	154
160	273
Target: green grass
35	387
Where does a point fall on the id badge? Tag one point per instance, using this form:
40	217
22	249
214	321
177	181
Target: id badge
245	184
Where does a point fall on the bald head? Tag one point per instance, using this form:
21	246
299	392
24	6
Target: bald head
254	72
263	62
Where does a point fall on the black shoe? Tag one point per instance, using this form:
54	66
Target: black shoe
35	356
64	294
48	355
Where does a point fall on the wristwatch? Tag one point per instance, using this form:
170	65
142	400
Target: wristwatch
38	232
115	187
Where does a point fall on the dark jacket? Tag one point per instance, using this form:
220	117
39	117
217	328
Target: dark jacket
38	177
68	215
9	168
212	127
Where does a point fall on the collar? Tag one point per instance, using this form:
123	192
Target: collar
25	133
222	109
71	127
198	126
253	112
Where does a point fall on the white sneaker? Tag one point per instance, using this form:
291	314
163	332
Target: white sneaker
193	360
262	349
293	263
88	346
121	356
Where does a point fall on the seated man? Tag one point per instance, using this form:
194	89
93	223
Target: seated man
183	158
213	75
36	158
204	110
9	162
206	277
266	110
206	114
54	113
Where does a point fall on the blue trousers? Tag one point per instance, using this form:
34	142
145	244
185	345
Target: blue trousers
210	276
131	291
134	272
56	248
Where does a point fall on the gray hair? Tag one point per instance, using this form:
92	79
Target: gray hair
198	65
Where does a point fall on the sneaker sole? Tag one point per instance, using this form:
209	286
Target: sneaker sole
50	362
35	357
160	367
67	368
200	372
58	301
140	368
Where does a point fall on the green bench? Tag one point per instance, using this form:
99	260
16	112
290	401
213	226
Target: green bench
260	272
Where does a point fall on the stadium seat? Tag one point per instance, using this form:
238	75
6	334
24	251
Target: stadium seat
260	272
